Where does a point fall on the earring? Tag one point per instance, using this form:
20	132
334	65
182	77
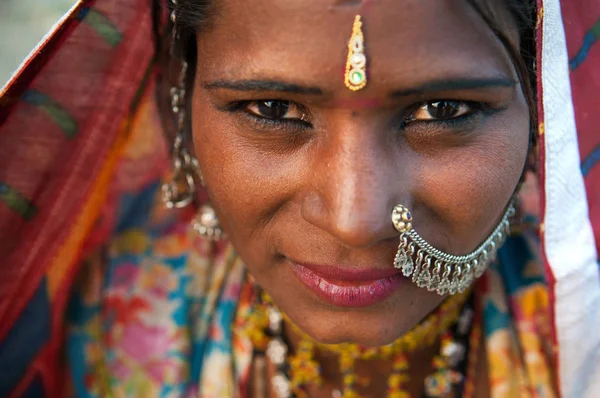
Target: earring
207	224
180	190
439	271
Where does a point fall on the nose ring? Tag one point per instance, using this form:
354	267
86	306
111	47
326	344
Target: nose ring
401	218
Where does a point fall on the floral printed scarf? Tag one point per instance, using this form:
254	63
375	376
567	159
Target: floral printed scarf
84	242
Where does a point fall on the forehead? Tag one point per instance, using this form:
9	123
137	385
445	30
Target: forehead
306	40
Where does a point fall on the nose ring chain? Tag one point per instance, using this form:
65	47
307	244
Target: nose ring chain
435	270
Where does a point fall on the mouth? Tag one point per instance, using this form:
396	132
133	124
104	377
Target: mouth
345	287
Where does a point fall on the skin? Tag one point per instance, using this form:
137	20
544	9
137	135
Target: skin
322	192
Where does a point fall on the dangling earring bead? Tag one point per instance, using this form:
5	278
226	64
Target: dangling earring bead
207	224
435	270
355	77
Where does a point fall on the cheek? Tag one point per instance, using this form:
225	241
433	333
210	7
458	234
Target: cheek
245	185
465	191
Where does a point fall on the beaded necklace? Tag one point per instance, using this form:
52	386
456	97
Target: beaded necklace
449	324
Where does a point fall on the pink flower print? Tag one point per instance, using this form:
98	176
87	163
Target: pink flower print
144	343
147	346
124	276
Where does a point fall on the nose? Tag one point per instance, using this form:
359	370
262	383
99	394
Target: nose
356	182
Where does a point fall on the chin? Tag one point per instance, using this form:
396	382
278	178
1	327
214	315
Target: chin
369	330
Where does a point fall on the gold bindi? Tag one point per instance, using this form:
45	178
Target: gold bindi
356	64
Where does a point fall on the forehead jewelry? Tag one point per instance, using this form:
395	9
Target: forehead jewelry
436	270
356	64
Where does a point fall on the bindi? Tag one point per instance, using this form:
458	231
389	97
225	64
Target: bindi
355	77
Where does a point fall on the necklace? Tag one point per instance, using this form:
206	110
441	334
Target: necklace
450	324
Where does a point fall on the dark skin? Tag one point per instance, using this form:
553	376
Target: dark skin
314	175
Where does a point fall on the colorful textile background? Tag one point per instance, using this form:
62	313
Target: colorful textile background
70	178
568	78
63	123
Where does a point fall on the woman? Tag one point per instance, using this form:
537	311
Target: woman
342	179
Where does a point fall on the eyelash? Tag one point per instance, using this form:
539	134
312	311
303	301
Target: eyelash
476	109
297	125
261	122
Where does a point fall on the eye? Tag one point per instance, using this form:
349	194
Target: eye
275	109
441	110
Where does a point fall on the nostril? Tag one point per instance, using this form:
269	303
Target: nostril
362	232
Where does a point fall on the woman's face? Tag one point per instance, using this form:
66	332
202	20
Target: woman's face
303	173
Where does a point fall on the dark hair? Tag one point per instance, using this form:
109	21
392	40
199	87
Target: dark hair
524	15
194	16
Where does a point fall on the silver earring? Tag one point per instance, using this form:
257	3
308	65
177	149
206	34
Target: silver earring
180	190
436	270
207	224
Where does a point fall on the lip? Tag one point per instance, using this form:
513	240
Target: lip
346	287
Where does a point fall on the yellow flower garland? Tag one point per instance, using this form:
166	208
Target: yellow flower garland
304	369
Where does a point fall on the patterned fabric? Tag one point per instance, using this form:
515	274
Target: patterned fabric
568	82
63	122
81	157
155	318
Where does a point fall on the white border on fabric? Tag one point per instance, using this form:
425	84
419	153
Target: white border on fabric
38	47
569	239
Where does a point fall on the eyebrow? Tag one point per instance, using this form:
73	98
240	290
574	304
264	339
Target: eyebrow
434	86
457	84
263	85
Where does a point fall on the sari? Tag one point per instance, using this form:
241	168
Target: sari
104	293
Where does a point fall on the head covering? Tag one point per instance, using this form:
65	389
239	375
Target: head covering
82	107
568	81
